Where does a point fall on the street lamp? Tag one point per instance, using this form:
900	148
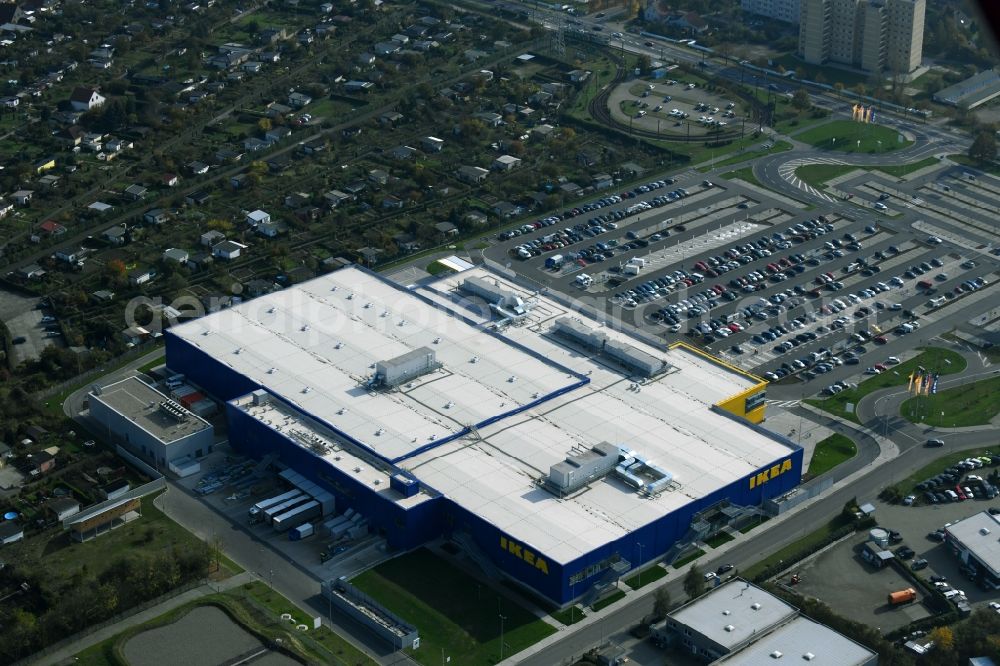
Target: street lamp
502	618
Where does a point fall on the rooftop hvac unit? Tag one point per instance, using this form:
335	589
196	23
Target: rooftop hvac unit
776	655
808	656
755	606
730	628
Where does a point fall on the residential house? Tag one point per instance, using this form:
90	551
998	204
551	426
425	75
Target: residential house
62	508
253	144
10	532
31	272
93	141
51	228
403	153
358	87
22	197
256	217
169	180
114	145
446	228
239	181
85	99
9	102
5	208
391	202
228	250
400	39
543	131
116	235
378	176
258	287
156	216
506	163
326	8
100	207
227	156
197	198
135	192
141	276
489	118
370	255
271	229
135	335
432	144
70	136
297	100
278	163
306	37
211	238
355	187
49	180
200	261
386	48
67	256
578	75
688	21
276	134
476	218
406	242
334	198
45	164
602	181
317	145
542	98
198	168
506	210
365	59
471	174
103	296
251	67
586	158
297	200
390	118
176	254
570	189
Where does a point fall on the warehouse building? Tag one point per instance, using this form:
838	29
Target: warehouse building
555	461
738	623
151	425
976	542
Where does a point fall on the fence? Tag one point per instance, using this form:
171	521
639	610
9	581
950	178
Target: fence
80	635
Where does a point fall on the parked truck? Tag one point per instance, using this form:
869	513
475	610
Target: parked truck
303	531
555	261
278	509
256	513
631	269
308	511
902	596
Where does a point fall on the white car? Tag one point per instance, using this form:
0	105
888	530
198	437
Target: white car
710	575
908	500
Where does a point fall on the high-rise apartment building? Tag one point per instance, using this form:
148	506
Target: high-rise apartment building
779	10
872	35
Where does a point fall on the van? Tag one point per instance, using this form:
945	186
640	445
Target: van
175	381
637	261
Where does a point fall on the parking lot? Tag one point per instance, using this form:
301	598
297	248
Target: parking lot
31	329
675	107
784	294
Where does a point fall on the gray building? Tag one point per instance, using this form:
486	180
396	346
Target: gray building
740	623
976	541
149	423
779	10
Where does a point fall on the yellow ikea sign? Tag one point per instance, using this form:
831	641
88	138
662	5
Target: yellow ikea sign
521	552
777	470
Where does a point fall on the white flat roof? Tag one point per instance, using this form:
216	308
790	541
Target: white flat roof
493	469
980	535
139	402
733	613
797	639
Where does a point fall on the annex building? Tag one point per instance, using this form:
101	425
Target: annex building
976	542
557	451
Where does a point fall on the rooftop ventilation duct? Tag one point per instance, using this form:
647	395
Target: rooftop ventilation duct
755	606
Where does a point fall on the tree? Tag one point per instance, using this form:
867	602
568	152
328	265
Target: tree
661	602
984	147
694	582
800	100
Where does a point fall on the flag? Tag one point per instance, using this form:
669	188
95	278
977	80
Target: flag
871	115
927	384
934	383
856	112
909	385
916	384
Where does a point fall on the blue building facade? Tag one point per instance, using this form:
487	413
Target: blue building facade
406	528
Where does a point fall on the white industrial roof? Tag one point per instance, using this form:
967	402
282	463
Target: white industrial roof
491	470
733	613
802	641
980	535
139	402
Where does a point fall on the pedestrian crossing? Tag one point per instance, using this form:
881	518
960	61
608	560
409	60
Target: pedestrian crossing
785	404
787	172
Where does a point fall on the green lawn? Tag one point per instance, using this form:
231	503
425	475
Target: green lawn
825	73
159	360
679	564
453	611
719	539
905	169
646	577
608	600
818	174
964	160
830	452
967	405
845	135
754	525
570	615
745	174
778	147
934	359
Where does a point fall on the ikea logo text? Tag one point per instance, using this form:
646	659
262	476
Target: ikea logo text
763	477
519	551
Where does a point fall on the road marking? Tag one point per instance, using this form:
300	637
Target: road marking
787	404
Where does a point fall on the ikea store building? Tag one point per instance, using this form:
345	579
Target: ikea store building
557	451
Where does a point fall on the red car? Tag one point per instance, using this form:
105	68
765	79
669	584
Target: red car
880	340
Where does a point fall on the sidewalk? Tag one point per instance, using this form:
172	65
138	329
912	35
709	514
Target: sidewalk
65	654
